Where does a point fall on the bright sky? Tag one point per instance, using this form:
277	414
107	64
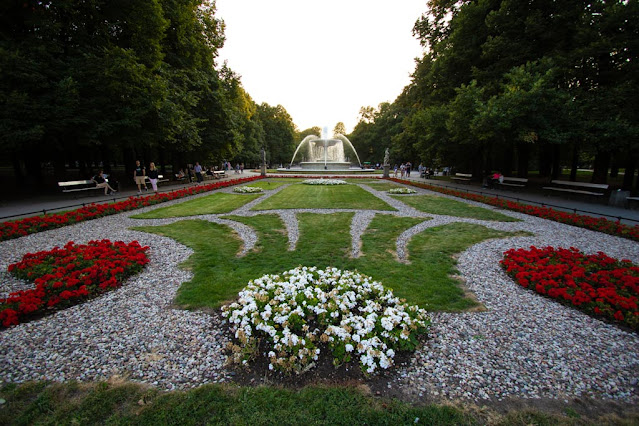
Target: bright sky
321	60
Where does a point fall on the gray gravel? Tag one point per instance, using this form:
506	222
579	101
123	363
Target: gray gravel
521	345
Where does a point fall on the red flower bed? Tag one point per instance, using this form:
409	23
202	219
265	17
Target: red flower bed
31	225
66	276
600	224
596	284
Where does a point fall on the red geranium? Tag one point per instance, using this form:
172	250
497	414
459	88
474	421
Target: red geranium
596	284
600	224
66	276
31	225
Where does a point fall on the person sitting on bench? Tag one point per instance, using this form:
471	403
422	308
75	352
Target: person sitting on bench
101	182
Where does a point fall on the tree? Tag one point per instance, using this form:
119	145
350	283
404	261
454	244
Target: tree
339	129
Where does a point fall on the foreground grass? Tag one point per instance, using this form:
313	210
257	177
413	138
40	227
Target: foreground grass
133	404
219	274
446	206
218	203
300	196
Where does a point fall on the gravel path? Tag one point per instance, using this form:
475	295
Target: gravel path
522	345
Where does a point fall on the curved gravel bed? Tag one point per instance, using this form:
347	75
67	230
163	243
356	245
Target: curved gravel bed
522	345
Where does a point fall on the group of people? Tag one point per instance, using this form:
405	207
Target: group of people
140	175
403	169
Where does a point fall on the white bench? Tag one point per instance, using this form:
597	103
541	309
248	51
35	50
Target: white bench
581	188
219	174
80	185
160	179
514	182
462	177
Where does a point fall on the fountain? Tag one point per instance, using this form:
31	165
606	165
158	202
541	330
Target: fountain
324	154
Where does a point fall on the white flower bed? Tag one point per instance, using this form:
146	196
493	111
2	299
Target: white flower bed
324	182
247	189
304	311
401	191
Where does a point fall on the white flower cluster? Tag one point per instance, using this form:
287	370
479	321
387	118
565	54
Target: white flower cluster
324	182
247	189
401	191
307	310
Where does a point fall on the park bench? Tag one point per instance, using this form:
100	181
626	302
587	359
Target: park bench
80	185
579	188
219	174
462	177
513	182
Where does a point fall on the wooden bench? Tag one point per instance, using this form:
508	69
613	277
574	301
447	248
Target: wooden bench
219	174
580	188
462	177
80	185
514	182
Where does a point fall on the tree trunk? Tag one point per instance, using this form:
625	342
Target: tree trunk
575	162
601	163
630	164
523	158
556	161
507	160
614	166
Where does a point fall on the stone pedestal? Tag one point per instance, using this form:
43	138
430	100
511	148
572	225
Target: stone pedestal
263	169
386	170
618	198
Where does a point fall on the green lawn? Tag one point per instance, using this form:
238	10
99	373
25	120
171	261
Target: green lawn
217	203
382	186
267	184
134	404
445	206
300	196
219	274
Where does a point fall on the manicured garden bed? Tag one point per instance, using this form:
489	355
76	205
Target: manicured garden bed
69	275
595	284
599	224
31	225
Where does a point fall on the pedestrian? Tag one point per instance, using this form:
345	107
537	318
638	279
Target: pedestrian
198	172
153	177
139	176
241	168
101	182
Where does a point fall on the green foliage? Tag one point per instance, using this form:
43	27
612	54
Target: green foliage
506	80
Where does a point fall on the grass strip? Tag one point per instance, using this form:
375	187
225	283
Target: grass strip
217	203
301	196
445	206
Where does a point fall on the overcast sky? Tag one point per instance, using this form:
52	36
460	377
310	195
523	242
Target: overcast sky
321	60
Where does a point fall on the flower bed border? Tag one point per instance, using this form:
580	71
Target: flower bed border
597	284
70	275
599	224
31	225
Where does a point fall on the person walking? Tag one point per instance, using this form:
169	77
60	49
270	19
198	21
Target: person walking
153	177
139	176
198	172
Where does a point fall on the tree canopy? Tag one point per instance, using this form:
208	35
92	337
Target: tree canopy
517	86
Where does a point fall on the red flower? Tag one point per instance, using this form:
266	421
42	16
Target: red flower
96	266
595	284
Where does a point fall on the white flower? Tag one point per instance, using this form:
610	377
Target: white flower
300	298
